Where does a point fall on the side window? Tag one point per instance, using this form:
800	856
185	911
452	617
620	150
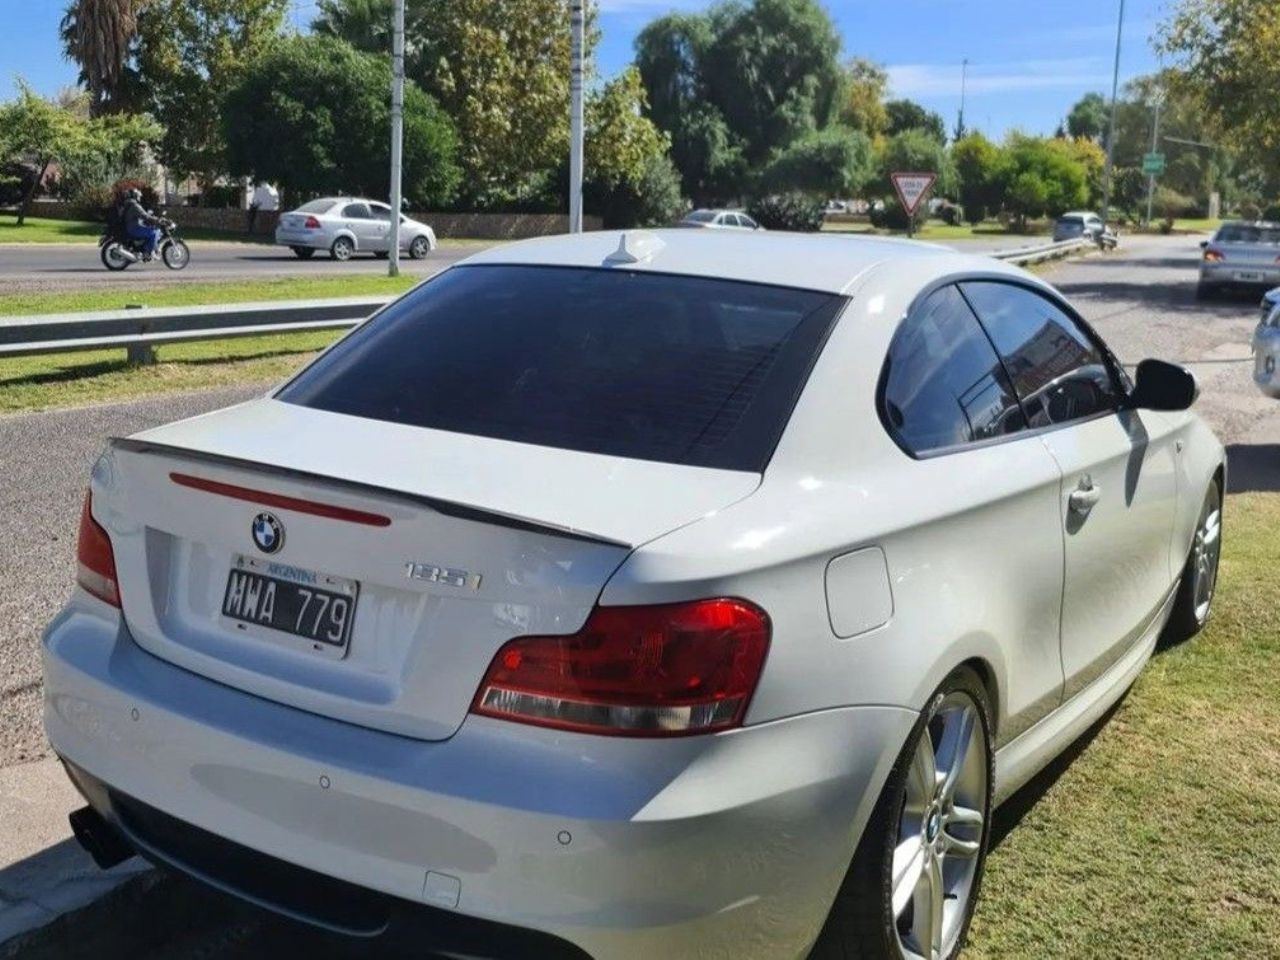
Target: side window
943	383
1058	371
357	211
380	212
747	221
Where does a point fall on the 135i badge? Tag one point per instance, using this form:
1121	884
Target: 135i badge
449	576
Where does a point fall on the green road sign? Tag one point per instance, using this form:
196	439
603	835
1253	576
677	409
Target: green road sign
1153	163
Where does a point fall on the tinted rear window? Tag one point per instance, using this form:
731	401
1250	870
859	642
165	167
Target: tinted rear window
684	370
317	206
1247	233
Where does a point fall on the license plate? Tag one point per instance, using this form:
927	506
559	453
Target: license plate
314	607
1249	276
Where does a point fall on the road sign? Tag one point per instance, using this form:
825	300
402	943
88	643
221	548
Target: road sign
911	189
1153	163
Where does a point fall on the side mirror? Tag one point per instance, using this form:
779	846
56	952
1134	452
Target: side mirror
1203	244
1159	385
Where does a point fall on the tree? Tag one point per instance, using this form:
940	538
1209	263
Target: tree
1088	117
1091	158
189	54
498	68
1229	55
35	133
1042	177
736	86
909	115
862	107
99	35
835	162
977	162
311	114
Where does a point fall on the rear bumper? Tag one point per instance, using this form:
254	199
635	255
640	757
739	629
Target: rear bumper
1238	274
315	239
705	847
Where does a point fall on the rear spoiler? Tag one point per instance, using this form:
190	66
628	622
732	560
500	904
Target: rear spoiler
449	508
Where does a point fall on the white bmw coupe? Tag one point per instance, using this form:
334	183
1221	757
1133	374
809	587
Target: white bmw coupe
681	594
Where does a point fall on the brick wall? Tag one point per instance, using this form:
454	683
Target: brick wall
485	226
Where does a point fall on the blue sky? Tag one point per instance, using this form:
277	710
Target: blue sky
1029	59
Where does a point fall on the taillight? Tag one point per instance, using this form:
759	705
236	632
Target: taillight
95	561
311	223
1213	256
650	671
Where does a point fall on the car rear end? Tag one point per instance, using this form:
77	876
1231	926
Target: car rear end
1068	227
306	227
1241	256
342	651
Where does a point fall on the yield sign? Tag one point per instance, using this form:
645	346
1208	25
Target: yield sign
911	188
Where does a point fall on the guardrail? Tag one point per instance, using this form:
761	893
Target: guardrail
141	329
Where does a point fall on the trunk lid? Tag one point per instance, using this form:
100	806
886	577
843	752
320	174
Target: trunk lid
448	545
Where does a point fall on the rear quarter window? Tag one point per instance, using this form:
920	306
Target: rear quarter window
683	370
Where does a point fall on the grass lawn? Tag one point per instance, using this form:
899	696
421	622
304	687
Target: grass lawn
104	297
936	230
72	379
1162	837
44	230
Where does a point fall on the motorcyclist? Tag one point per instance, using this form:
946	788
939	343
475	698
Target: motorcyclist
140	223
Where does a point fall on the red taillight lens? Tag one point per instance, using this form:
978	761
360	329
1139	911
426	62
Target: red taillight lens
95	562
312	223
1213	256
654	671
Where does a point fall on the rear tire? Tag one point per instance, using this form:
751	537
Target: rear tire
419	248
303	253
864	923
342	249
113	257
1196	589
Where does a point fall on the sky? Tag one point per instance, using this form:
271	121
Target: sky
1029	60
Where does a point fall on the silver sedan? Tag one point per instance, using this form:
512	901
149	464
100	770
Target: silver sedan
1240	255
345	226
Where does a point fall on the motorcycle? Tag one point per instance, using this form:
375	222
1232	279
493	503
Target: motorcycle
118	250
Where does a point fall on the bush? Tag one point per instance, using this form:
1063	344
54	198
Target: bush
951	213
1272	212
788	211
221	196
1169	203
1250	211
15	180
891	216
653	202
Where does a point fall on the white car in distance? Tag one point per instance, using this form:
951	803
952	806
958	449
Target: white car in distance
345	226
719	220
633	596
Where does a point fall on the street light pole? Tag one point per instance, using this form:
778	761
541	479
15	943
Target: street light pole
964	71
1111	124
1155	141
397	137
576	28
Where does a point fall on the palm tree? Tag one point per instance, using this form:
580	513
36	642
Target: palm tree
97	35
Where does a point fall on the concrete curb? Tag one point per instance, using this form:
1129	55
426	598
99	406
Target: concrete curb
43	871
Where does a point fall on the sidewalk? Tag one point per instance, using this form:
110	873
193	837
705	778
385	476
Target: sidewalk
43	871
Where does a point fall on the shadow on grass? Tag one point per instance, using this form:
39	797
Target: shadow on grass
83	371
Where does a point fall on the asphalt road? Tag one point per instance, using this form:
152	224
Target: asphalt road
58	266
54	266
1141	299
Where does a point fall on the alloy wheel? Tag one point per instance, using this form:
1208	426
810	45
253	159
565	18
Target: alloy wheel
1205	552
940	831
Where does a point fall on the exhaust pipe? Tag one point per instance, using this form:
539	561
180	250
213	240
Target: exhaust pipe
100	839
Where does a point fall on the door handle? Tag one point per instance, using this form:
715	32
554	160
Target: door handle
1084	497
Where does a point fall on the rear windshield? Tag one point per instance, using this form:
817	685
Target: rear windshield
1071	221
316	206
1247	233
683	370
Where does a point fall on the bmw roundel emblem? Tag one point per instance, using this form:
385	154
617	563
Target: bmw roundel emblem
268	533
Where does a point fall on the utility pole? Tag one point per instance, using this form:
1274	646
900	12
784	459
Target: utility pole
1155	146
964	71
397	137
1111	123
576	28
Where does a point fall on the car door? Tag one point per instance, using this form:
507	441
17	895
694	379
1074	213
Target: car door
992	543
382	221
1119	473
358	218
